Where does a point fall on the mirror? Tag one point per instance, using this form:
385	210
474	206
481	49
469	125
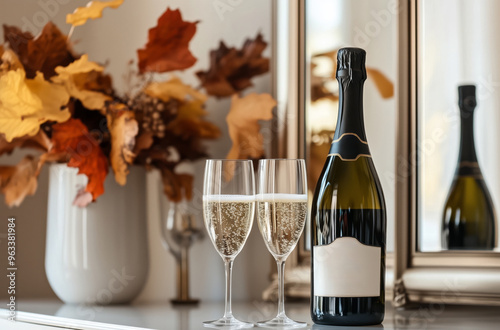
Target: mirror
330	25
455	210
442	45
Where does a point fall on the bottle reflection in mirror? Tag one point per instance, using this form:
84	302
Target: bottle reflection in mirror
469	220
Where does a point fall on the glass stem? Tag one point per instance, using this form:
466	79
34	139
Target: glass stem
228	263
281	288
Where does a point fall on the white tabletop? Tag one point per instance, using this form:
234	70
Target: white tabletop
48	314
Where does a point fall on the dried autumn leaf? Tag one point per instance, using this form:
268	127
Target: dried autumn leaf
83	198
168	45
17	40
189	122
177	186
53	97
231	70
244	128
43	53
40	142
173	88
143	141
384	86
123	128
74	78
93	10
72	137
17	182
26	104
9	61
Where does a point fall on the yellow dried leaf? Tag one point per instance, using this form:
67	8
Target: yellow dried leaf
73	77
53	98
93	10
244	128
189	122
173	88
17	182
123	128
25	104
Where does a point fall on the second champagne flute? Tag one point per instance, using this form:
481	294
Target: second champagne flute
282	212
228	210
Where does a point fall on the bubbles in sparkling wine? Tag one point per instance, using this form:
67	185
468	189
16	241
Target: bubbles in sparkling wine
228	224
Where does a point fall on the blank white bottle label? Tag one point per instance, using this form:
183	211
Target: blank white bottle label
346	268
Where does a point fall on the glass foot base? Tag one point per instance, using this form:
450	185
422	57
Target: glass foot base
282	322
227	323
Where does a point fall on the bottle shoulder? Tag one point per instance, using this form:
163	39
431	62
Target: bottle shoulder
349	184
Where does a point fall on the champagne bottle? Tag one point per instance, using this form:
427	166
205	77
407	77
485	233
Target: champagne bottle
468	217
348	216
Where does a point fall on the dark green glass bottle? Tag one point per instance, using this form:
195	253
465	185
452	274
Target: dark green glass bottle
348	218
468	218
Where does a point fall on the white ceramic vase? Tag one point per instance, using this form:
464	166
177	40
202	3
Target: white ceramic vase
97	254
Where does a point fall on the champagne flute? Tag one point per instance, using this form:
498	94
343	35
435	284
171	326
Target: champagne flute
282	212
228	210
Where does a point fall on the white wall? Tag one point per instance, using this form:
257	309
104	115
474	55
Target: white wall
114	39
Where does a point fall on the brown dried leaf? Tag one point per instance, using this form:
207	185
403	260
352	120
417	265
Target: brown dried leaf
168	45
38	142
244	128
123	128
177	186
19	181
231	70
44	53
144	141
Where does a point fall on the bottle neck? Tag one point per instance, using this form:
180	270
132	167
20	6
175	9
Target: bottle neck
350	118
349	142
467	148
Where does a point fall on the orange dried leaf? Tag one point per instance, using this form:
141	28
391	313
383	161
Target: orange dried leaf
93	10
168	44
17	182
73	138
123	128
244	128
231	70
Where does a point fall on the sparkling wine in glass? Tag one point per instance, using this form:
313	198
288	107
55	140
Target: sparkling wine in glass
228	210
282	213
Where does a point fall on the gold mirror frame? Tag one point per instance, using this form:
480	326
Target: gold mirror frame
428	277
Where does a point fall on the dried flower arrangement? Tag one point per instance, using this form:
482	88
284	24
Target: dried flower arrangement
64	105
